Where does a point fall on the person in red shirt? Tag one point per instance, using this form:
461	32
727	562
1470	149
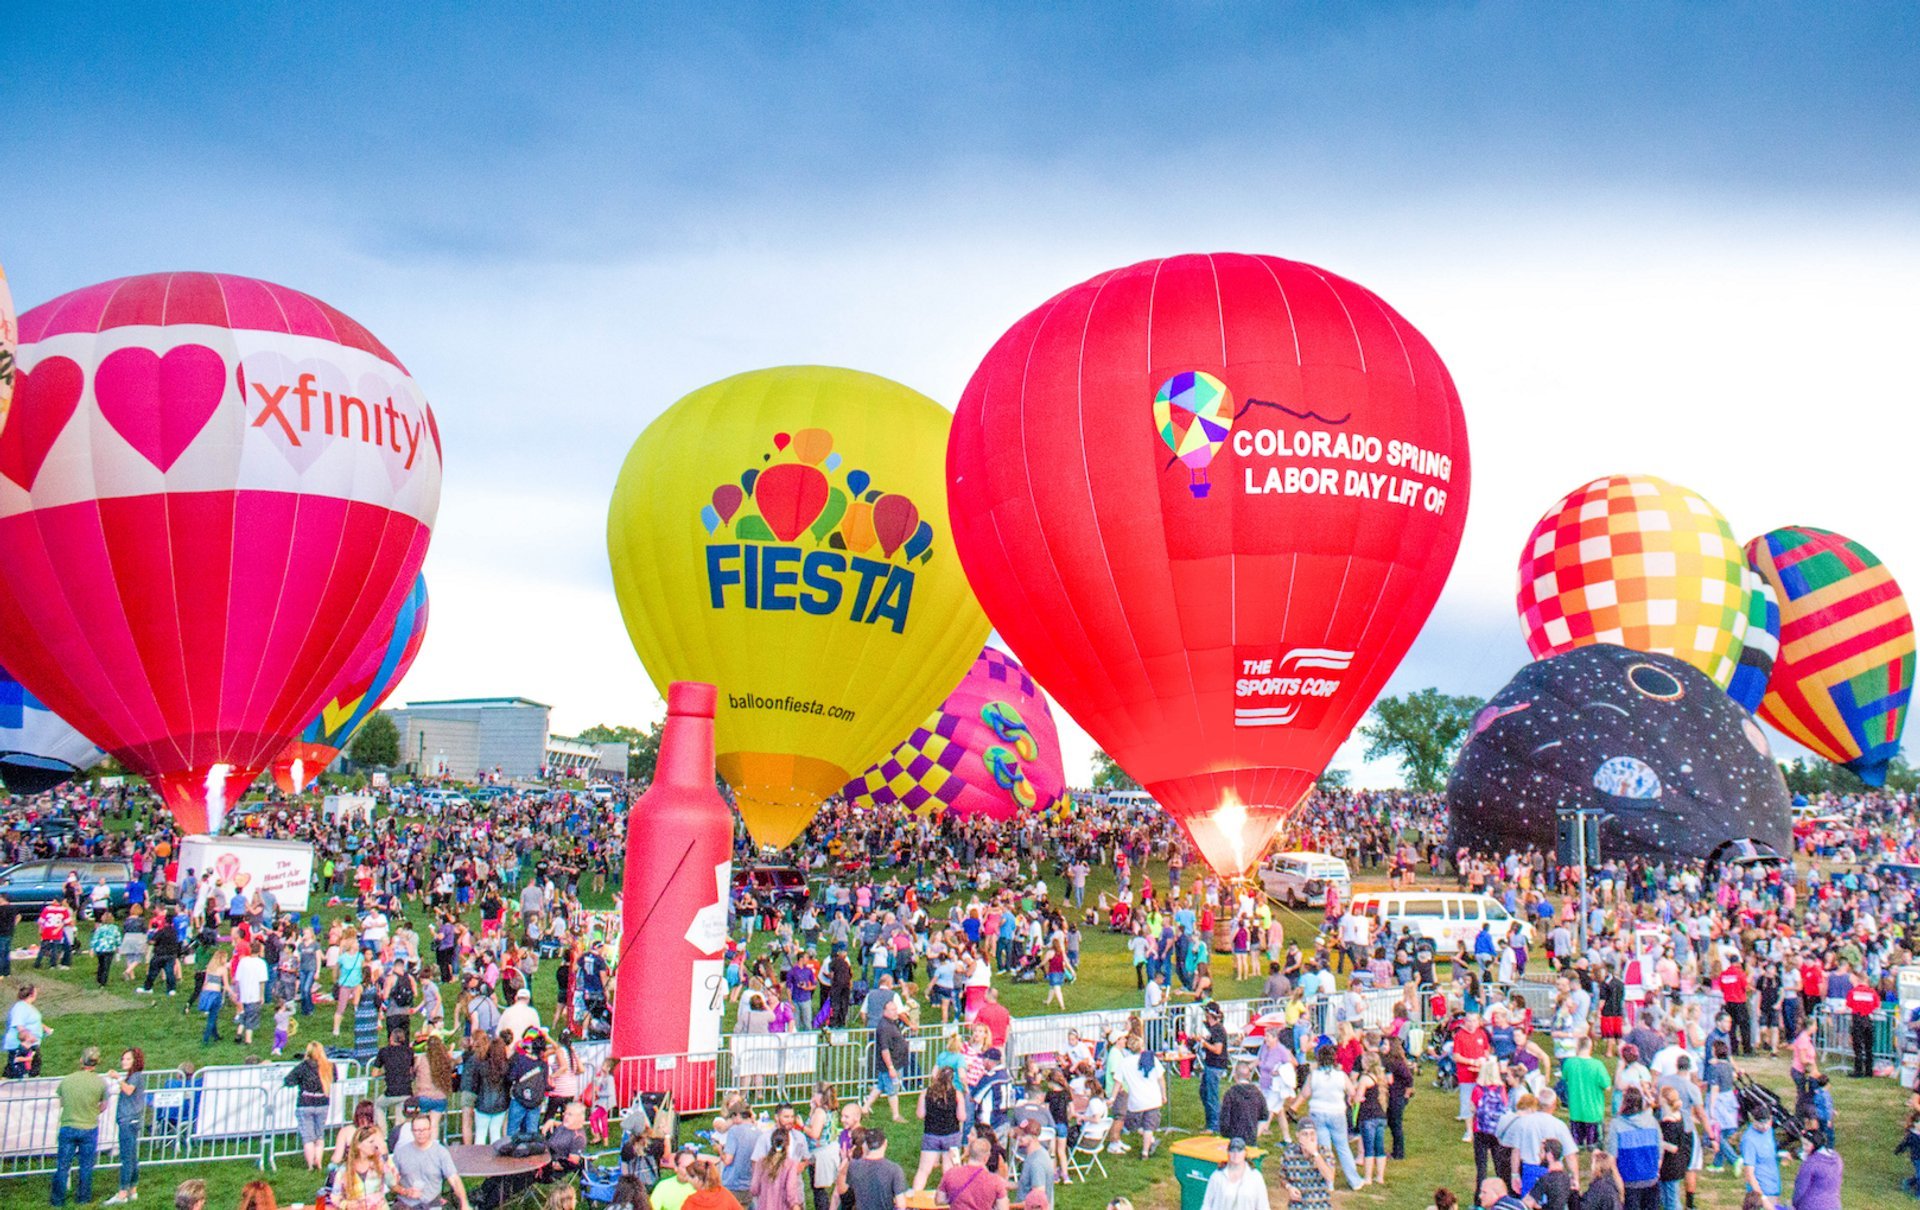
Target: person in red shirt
1734	990
55	949
1813	985
995	1017
1863	1002
1471	1044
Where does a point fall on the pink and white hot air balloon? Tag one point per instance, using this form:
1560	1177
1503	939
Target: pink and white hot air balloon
215	493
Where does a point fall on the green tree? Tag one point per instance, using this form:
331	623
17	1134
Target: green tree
1423	731
1815	777
643	747
1331	780
1108	775
377	743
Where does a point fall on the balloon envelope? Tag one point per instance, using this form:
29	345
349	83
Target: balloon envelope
299	764
214	494
1217	622
990	749
1639	562
1646	738
1844	677
779	534
1759	647
9	342
38	749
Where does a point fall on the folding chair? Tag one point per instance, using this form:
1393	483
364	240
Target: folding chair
1084	1156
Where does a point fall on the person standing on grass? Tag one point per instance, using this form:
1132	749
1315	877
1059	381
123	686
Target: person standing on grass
82	1095
874	1182
25	1032
973	1185
106	947
425	1167
1328	1094
129	1115
313	1076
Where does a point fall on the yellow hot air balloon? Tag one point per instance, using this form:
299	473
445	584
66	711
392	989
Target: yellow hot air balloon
783	534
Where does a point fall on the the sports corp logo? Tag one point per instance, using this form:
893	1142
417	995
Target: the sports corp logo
1281	687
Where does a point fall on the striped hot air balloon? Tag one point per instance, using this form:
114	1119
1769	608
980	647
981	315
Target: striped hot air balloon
1760	647
1845	669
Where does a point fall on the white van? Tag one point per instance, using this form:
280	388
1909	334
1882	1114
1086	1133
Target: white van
1301	878
1135	800
1445	918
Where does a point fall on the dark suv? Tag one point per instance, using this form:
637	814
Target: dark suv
31	885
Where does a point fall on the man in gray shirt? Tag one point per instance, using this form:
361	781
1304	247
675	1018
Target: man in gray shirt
876	1182
424	1164
1036	1166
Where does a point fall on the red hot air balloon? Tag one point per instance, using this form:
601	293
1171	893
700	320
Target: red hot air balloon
1219	644
215	494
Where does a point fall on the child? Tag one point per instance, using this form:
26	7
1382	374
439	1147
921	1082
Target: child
283	1026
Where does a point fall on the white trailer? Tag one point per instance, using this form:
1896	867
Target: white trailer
284	867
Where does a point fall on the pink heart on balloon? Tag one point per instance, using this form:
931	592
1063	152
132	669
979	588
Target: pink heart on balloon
43	401
159	404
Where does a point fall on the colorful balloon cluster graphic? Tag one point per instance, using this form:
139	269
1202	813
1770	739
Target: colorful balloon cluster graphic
779	502
991	750
1193	412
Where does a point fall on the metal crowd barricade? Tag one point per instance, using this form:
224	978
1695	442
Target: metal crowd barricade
220	1113
1833	1035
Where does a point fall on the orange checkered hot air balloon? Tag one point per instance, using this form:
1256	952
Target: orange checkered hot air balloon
1641	563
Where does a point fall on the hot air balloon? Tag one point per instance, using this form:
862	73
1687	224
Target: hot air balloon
1845	671
300	763
1219	644
215	493
990	749
38	750
1678	769
1641	563
9	338
779	534
1759	647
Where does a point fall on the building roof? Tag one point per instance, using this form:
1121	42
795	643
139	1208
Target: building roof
482	701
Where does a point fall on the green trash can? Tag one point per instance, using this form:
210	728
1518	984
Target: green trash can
1196	1159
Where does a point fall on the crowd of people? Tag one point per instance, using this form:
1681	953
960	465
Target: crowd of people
429	928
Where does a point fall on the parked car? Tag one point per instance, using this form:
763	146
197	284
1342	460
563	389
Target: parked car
782	884
1300	878
1440	919
443	798
31	885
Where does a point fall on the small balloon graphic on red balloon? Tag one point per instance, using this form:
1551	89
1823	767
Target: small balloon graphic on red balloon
1194	413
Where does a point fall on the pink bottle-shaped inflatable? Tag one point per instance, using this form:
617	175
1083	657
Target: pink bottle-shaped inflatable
671	991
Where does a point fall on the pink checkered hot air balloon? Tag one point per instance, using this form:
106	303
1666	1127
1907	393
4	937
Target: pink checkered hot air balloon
991	749
215	494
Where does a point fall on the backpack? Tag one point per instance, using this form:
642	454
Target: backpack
403	991
530	1090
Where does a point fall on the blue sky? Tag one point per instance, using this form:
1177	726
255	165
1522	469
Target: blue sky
1644	237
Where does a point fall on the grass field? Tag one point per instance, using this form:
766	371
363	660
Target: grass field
1870	1115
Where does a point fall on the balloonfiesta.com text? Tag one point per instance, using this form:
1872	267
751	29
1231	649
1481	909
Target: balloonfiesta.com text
792	705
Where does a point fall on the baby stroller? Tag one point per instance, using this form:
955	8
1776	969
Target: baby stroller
1439	1052
1756	1098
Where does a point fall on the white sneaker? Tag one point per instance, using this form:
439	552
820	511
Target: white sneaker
1118	1149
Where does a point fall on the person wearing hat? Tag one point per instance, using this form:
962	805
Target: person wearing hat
1213	1064
1235	1185
521	1018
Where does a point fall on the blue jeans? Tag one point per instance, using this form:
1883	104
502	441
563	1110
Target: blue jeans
521	1120
1210	1096
1332	1128
306	993
212	1032
83	1145
1670	1195
129	1154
